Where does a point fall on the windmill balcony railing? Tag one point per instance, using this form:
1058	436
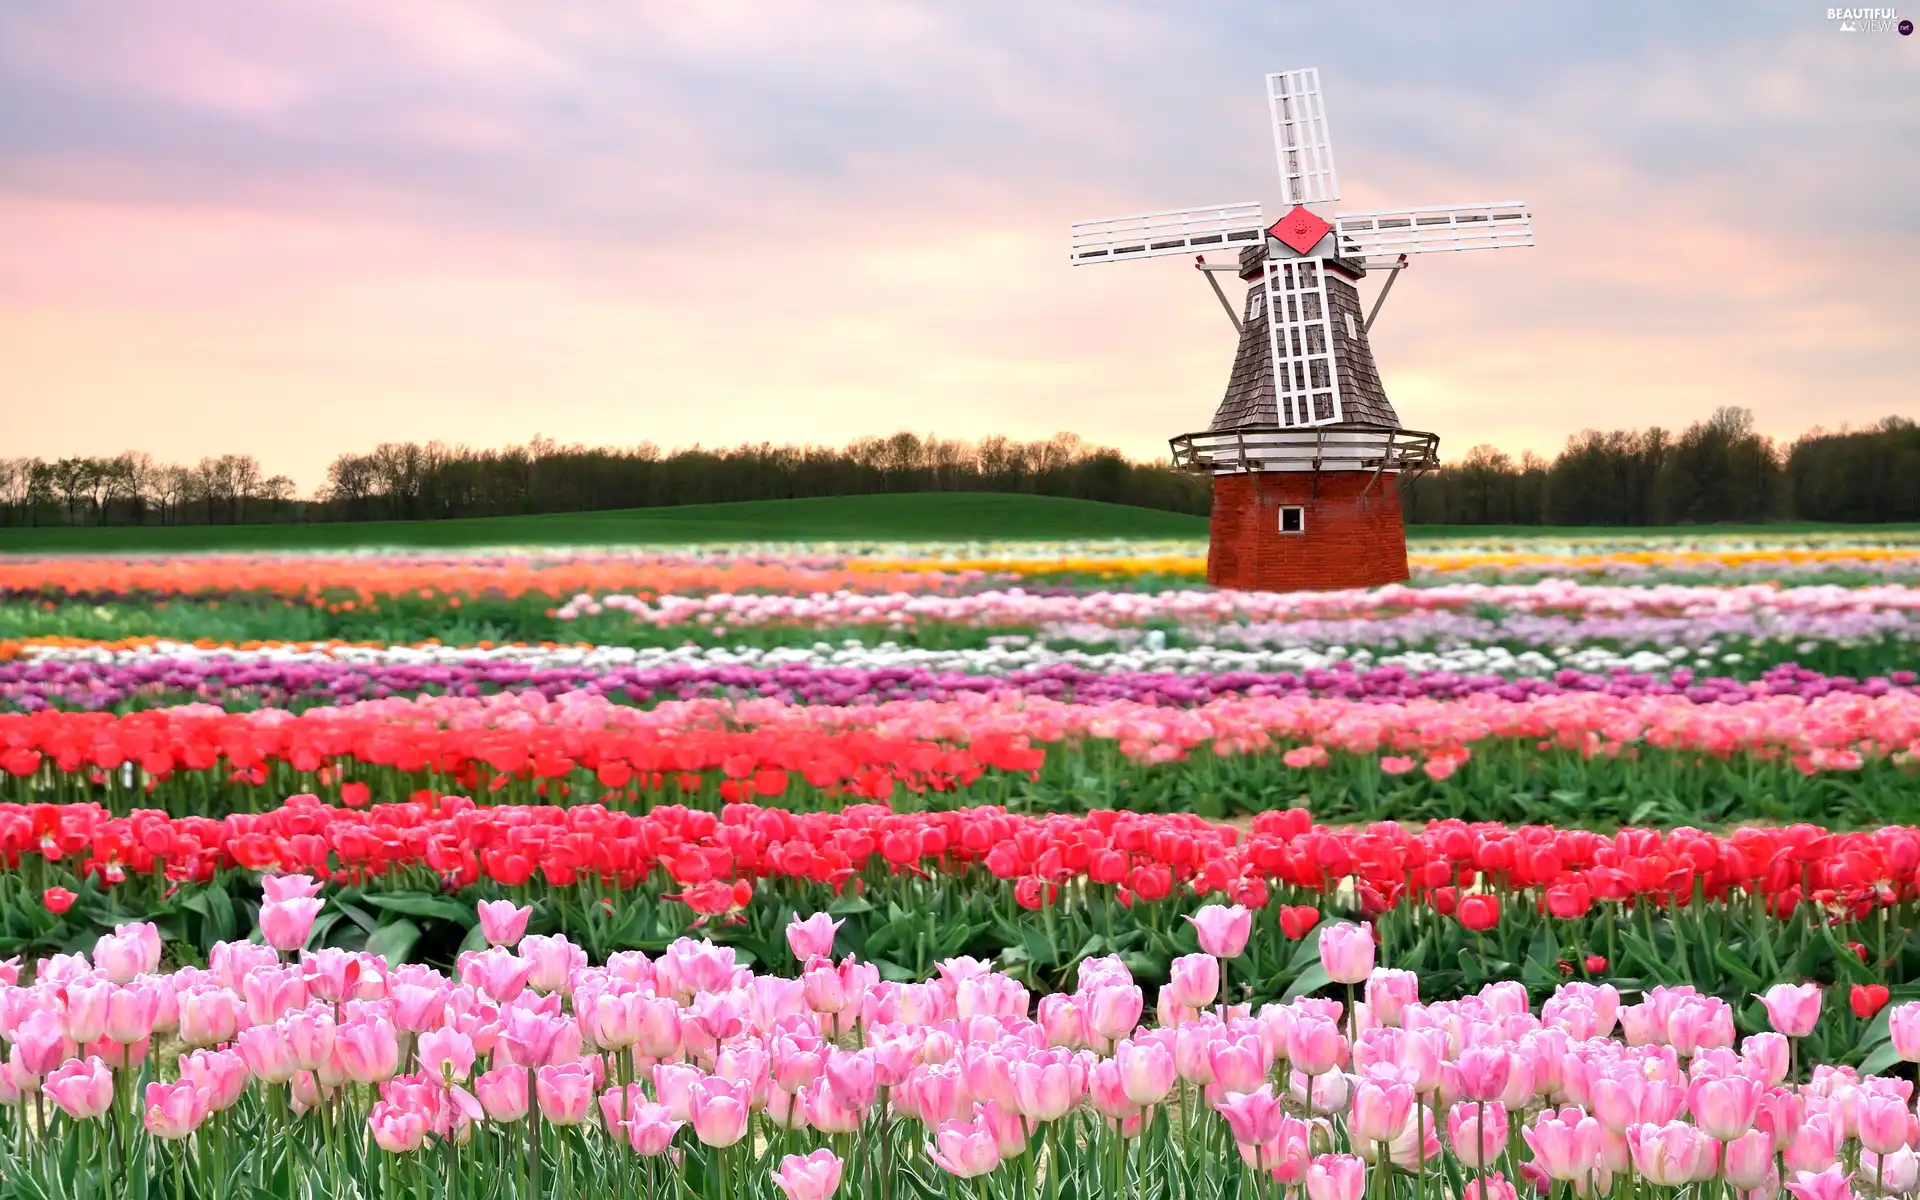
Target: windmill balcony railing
1274	448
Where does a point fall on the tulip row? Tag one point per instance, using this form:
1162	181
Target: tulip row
1848	757
1021	608
92	677
809	568
1737	631
1465	904
527	1072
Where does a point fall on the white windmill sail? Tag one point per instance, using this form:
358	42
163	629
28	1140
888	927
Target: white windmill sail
1177	231
1382	236
1301	138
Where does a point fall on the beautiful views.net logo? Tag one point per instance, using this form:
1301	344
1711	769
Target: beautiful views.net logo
1870	20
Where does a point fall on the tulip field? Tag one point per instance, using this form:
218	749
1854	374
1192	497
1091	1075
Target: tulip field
962	872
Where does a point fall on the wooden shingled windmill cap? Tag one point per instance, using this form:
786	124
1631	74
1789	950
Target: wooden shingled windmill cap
1299	245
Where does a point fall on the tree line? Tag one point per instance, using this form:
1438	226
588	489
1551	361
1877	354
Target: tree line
409	481
1717	470
133	489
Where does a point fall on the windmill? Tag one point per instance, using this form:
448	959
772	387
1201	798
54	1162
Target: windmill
1306	453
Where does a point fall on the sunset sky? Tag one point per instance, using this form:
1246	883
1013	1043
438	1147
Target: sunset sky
293	229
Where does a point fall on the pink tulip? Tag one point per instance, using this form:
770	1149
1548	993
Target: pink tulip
502	1093
565	1093
828	1113
1046	1089
719	1109
813	937
1113	1012
1491	1186
266	1054
1903	1025
1146	1071
1223	929
82	1088
1009	1129
1830	1184
1252	1117
1107	1092
1779	1114
659	1031
1566	1144
1792	1010
1893	1174
1063	1020
965	1149
1336	1177
1815	1146
1194	980
852	1076
395	1129
1381	1105
1314	1045
1767	1056
208	1016
1673	1154
1700	1023
173	1110
1485	1072
309	1034
501	923
86	1018
650	1129
814	1177
285	924
232	962
418	1007
553	959
40	1043
271	992
1748	1160
1388	991
288	887
530	1035
1346	952
446	1054
1724	1108
1235	1064
131	1012
369	1050
1477	1131
220	1075
1882	1122
131	950
497	971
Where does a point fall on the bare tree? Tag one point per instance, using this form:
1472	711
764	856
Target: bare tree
72	478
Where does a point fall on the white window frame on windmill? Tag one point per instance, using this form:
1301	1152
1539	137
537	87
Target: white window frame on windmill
1299	514
1306	384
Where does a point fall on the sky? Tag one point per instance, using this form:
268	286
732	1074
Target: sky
296	229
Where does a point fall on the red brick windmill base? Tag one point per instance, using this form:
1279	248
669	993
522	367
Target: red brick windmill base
1354	535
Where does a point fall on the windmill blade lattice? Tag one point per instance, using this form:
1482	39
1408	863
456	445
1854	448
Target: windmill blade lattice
1301	138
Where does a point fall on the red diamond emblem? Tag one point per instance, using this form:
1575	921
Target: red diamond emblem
1300	230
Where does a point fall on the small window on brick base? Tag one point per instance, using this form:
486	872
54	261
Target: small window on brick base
1293	518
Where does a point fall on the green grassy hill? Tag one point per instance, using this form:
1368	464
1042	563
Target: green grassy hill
921	516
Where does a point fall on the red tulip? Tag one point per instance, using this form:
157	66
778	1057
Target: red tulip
1297	920
58	899
1480	911
1868	999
